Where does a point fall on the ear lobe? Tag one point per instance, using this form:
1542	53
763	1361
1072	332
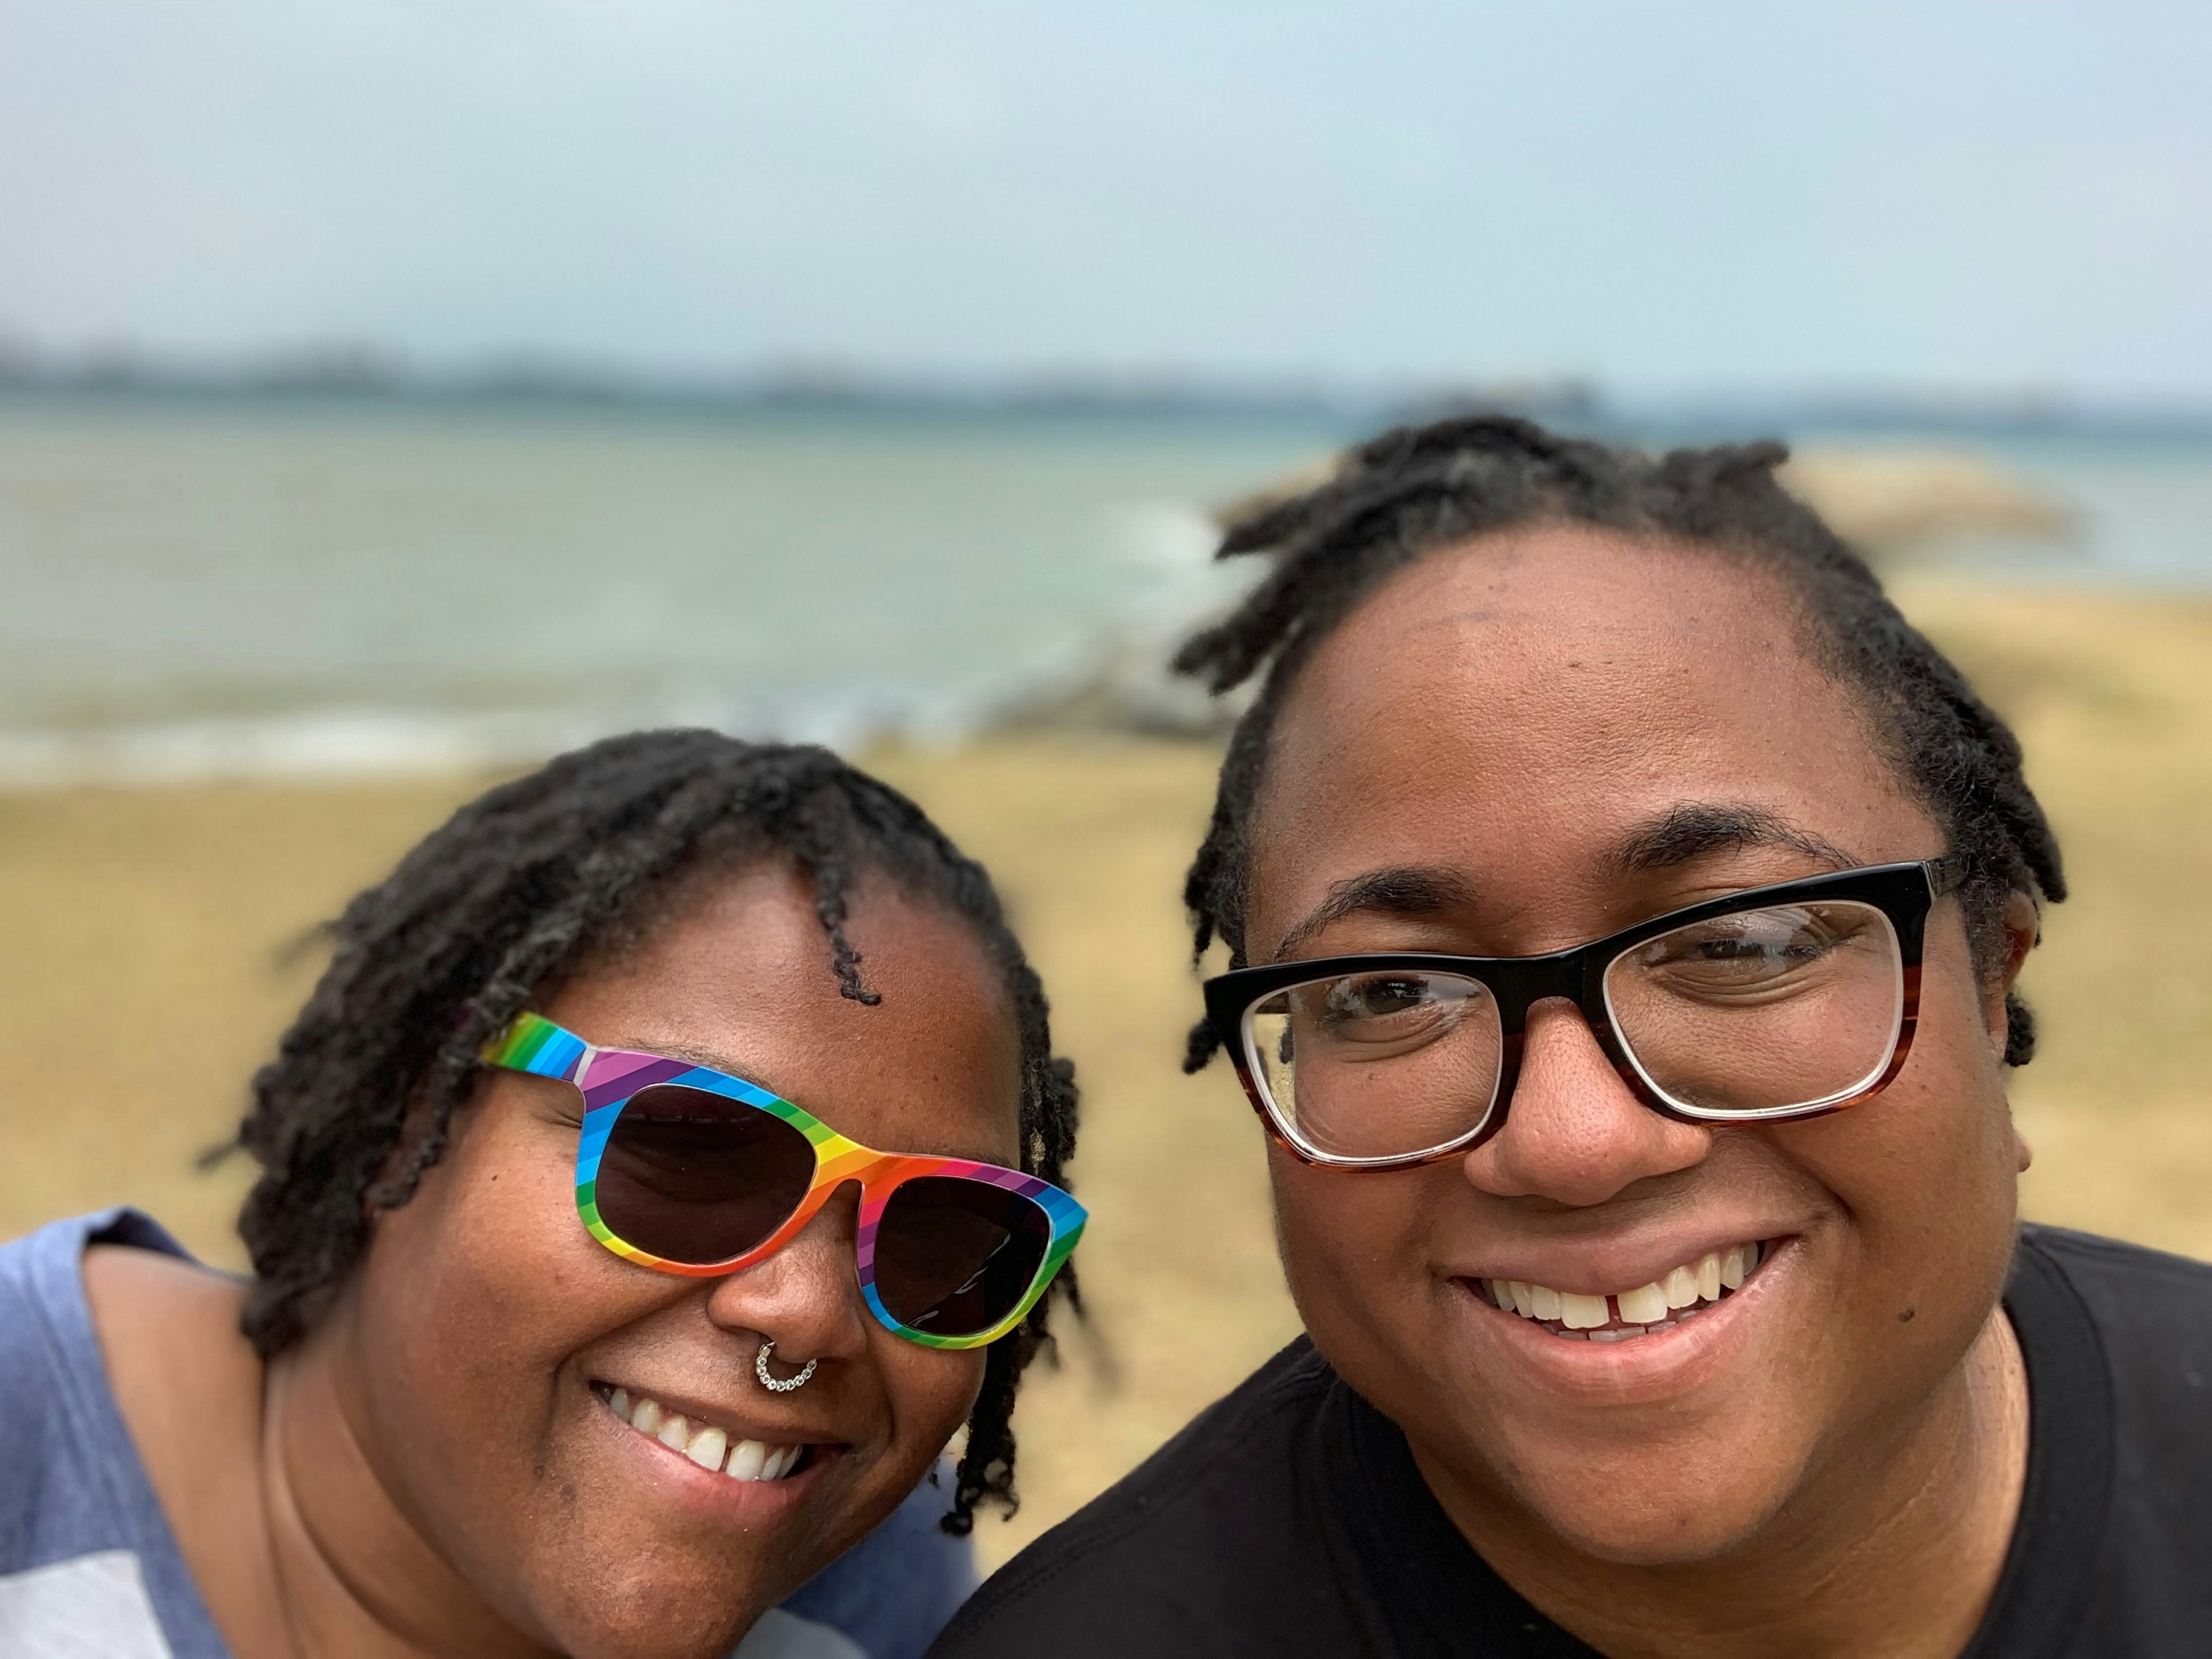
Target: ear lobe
2011	1031
2023	926
2023	1153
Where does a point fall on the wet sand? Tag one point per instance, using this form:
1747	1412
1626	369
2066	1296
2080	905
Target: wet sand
159	939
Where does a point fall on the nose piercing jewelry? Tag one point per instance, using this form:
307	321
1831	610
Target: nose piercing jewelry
779	1384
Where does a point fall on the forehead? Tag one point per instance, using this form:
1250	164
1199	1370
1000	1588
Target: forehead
738	978
1516	706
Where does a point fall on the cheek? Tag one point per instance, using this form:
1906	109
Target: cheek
931	1392
1354	1245
475	1293
491	1249
1927	1173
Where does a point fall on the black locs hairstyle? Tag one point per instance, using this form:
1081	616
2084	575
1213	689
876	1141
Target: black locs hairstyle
1417	489
522	887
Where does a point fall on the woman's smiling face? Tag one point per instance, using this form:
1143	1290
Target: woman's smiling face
486	1331
1551	735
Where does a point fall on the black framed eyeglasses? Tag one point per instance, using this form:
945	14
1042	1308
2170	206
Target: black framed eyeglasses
1786	1001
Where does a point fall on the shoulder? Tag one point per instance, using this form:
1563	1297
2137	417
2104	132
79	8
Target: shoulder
2152	1313
185	1382
87	1558
184	1378
2107	1269
1201	1549
162	1319
70	1483
51	1351
2145	1370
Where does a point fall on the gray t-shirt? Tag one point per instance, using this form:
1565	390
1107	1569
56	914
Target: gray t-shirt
89	1570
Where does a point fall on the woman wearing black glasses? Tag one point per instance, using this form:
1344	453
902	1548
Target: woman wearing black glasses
1624	905
660	1177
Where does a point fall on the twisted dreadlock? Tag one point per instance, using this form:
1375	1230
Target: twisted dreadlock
1419	490
521	888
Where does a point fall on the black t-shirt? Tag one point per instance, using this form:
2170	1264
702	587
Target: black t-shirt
1289	1518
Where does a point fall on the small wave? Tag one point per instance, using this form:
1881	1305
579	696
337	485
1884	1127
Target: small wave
336	745
325	744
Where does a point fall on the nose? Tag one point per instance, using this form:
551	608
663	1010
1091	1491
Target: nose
806	1298
1574	1131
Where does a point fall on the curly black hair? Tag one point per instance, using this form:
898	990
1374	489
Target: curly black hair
1417	489
524	886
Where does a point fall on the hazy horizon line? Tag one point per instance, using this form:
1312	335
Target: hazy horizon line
347	372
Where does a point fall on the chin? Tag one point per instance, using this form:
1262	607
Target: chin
1654	1511
630	1589
653	1618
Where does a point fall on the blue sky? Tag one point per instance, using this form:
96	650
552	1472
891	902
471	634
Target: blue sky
1661	197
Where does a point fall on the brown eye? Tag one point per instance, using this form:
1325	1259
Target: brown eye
1373	997
1762	1009
1375	1064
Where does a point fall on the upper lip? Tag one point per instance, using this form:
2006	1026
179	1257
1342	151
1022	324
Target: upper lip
1605	1266
735	1424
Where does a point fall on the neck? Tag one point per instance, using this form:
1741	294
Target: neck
1893	1551
356	1569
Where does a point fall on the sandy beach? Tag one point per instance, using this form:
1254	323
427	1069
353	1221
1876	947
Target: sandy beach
159	938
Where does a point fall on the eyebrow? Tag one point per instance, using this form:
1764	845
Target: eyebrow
1680	835
1696	829
1403	890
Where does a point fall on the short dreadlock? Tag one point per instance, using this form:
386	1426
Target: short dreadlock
522	887
1419	489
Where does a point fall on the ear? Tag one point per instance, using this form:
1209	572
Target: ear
2023	927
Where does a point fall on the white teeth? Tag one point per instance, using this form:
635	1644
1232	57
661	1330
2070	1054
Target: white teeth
707	1448
1658	1306
704	1444
1583	1313
1641	1305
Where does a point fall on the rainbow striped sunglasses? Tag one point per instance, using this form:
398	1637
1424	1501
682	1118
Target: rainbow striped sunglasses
686	1170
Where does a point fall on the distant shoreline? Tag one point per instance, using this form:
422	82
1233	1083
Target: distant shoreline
352	383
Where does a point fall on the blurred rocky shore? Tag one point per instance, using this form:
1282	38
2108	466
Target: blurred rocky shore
1899	505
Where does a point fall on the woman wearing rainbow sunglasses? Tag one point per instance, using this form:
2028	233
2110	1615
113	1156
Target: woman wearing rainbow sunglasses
587	1318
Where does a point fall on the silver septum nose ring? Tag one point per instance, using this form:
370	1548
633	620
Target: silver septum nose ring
779	1384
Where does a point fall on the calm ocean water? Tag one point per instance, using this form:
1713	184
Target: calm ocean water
296	588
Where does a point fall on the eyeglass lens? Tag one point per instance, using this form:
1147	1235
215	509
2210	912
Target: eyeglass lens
1755	1012
697	1177
955	1256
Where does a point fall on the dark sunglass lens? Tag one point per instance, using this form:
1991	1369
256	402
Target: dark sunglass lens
954	1256
697	1177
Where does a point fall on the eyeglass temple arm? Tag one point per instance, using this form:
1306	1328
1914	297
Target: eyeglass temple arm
1945	874
534	1044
